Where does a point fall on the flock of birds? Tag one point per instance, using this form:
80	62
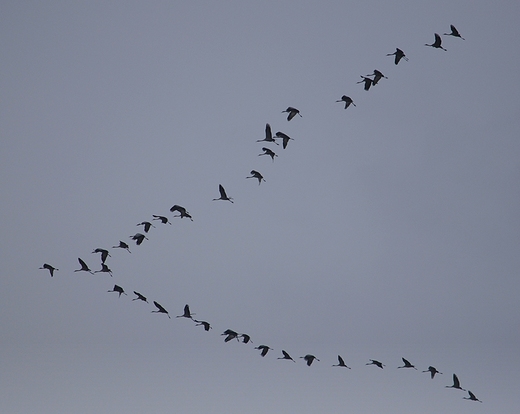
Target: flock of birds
229	334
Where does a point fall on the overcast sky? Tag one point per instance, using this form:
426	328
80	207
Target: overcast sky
390	229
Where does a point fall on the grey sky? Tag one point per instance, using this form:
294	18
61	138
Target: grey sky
386	230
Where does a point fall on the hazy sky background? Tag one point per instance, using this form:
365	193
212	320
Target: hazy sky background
387	230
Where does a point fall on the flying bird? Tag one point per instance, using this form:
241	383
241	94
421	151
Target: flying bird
376	362
367	81
407	364
432	371
223	195
164	220
286	356
341	363
245	338
122	245
205	324
437	43
182	211
257	175
104	254
292	112
187	313
471	397
50	268
84	267
160	309
146	225
284	137
309	359
267	151
348	101
268	135
377	76
140	297
399	54
230	334
117	289
264	348
138	237
454	32
104	269
456	383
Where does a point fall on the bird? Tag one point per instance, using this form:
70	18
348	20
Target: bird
245	338
264	348
160	309
407	364
377	76
309	359
104	254
104	269
187	313
138	237
50	268
140	297
348	101
368	82
146	225
376	362
122	245
454	32
268	135
432	371
164	220
292	112
286	356
230	334
205	324
118	289
471	397
269	152
437	43
456	383
284	137
182	211
223	195
257	175
341	363
84	267
399	54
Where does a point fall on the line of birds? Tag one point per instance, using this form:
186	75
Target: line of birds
183	213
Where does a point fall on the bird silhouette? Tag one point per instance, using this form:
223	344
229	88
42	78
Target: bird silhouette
454	32
160	309
164	220
291	112
104	254
284	137
267	151
268	135
456	383
122	245
437	43
187	313
376	362
432	371
138	237
264	348
399	54
286	356
471	397
377	76
146	225
245	338
117	289
182	211
104	269
205	324
407	364
341	363
50	268
223	195
348	101
140	297
257	175
230	334
309	359
84	267
367	81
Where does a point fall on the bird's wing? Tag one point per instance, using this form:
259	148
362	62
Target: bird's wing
456	382
82	263
268	133
340	360
222	191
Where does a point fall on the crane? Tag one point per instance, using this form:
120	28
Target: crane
160	309
187	313
471	397
367	81
268	135
432	371
399	54
164	220
454	32
50	268
269	152
138	237
284	137
182	211
456	383
117	289
341	363
286	356
291	112
205	324
84	267
146	225
257	175
104	254
140	297
264	348
437	43
377	76
407	364
104	269
223	195
376	362
230	334
348	101
122	245
309	359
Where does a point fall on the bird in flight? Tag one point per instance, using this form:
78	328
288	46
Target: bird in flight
104	269
341	363
104	254
309	359
456	383
471	397
437	43
117	289
286	356
257	175
230	334
122	245
432	371
160	309
146	225
140	297
187	313
377	76
164	220
407	364
245	338
205	324
399	54
264	348
284	137
348	101
50	268
223	195
291	112
454	32
182	211
138	237
268	135
367	81
269	152
376	362
84	267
